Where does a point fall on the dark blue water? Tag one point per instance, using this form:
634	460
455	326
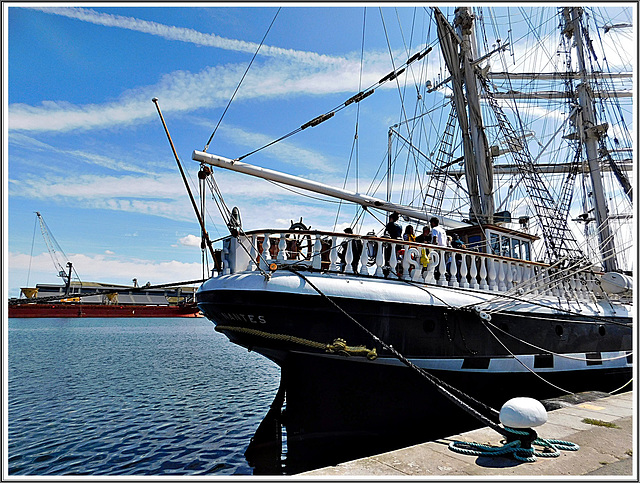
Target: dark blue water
132	397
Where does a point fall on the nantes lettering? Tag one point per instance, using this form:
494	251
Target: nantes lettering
254	319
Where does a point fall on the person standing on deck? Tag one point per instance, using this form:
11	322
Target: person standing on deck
425	236
438	233
408	234
393	229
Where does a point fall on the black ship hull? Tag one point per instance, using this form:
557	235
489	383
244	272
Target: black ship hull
349	397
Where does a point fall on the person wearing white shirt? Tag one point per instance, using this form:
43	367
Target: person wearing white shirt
438	233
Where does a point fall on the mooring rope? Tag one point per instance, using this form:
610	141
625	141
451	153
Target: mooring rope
515	449
441	386
518	448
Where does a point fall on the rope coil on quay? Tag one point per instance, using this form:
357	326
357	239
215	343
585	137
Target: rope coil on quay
519	450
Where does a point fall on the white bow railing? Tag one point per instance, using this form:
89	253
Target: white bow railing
396	259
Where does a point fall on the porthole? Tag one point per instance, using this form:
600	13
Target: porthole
559	330
601	330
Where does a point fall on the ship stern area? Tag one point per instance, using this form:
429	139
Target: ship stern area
331	334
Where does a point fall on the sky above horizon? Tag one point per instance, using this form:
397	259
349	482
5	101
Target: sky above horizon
85	147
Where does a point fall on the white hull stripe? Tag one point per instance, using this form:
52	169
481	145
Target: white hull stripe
558	363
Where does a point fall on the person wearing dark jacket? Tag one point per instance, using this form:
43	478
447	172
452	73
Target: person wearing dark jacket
356	250
392	230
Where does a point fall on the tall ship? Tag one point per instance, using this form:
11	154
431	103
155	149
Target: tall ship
76	298
522	152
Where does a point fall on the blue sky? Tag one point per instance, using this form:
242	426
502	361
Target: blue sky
85	146
87	149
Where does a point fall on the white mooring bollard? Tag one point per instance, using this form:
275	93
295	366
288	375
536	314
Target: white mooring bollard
523	413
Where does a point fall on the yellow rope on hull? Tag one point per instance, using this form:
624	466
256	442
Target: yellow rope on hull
338	346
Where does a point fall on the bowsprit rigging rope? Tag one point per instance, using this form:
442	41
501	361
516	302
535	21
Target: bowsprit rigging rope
363	94
241	80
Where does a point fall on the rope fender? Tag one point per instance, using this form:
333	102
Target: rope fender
519	449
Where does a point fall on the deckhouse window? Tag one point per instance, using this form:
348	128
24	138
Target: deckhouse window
495	243
515	248
509	246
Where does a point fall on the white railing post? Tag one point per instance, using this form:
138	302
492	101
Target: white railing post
226	270
532	280
464	271
508	275
348	258
484	285
453	271
473	272
557	287
364	259
316	257
406	261
282	248
393	260
442	268
333	255
414	253
266	255
253	253
379	259
491	265
518	270
501	285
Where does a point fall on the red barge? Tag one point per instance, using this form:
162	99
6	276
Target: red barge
94	299
69	310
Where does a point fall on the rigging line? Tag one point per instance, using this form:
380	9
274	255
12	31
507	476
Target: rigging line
540	153
353	99
33	239
241	80
223	209
564	356
522	363
354	145
202	194
303	194
519	298
537	282
622	387
442	387
404	113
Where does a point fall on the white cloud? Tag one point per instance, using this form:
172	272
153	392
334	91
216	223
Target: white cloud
285	151
186	35
190	241
182	91
29	143
99	268
86	187
286	72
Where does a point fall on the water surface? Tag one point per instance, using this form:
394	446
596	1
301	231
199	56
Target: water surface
132	397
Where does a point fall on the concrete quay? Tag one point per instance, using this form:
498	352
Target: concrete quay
606	450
